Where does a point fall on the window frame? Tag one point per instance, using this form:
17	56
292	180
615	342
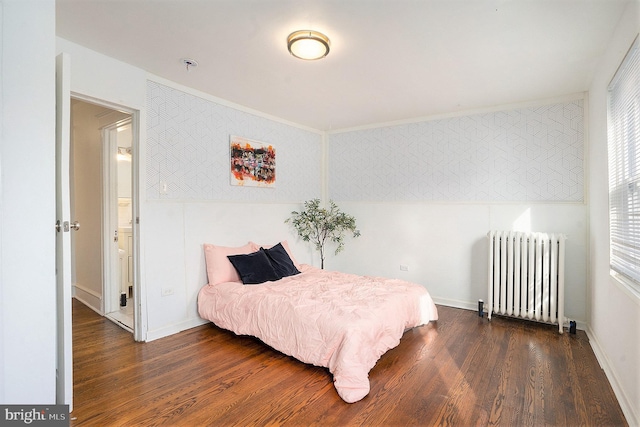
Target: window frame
623	145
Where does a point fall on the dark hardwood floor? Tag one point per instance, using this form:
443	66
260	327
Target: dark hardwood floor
460	371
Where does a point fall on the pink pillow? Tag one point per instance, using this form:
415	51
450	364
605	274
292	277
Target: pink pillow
285	245
219	268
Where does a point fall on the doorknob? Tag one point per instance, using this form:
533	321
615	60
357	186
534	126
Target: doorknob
65	226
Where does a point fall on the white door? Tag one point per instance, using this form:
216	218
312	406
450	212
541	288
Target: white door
115	273
111	262
64	226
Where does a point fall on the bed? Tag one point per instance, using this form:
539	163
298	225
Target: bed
340	321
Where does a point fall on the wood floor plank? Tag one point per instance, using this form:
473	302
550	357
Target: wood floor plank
461	370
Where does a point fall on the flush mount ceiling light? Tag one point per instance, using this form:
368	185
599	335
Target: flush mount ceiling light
124	153
308	44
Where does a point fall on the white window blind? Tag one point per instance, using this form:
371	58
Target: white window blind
624	168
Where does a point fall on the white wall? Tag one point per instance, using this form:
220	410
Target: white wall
175	250
98	76
614	315
188	144
426	193
444	245
27	203
2	321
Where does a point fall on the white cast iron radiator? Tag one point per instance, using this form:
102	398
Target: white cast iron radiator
526	276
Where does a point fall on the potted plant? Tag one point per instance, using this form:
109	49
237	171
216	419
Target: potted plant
319	225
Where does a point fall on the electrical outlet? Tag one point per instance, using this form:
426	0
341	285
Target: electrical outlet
404	267
164	189
167	291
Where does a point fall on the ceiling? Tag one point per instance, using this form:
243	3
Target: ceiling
389	60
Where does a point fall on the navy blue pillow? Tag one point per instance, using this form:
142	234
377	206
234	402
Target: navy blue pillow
281	261
254	268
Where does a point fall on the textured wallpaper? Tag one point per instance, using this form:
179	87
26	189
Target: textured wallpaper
188	149
528	154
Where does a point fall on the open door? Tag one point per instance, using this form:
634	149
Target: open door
112	128
118	227
64	226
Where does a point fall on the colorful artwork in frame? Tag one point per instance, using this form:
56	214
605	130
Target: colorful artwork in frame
253	163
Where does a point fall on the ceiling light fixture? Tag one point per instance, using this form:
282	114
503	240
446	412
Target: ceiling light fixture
308	44
124	153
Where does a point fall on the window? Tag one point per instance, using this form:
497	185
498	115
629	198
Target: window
624	170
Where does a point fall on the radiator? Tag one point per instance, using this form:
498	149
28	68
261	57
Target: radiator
526	276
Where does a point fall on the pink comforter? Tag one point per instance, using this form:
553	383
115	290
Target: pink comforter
340	321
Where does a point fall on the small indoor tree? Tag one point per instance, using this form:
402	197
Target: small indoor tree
319	225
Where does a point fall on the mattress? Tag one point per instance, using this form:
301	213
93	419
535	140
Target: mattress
340	321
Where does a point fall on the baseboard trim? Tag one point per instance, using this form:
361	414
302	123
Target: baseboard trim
456	303
633	419
174	328
88	297
473	306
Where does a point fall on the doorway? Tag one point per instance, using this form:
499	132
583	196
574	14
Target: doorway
101	182
117	139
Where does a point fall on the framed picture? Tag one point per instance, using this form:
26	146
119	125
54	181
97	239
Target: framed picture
253	163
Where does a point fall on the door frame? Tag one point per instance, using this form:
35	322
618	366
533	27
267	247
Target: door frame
139	323
64	350
111	259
